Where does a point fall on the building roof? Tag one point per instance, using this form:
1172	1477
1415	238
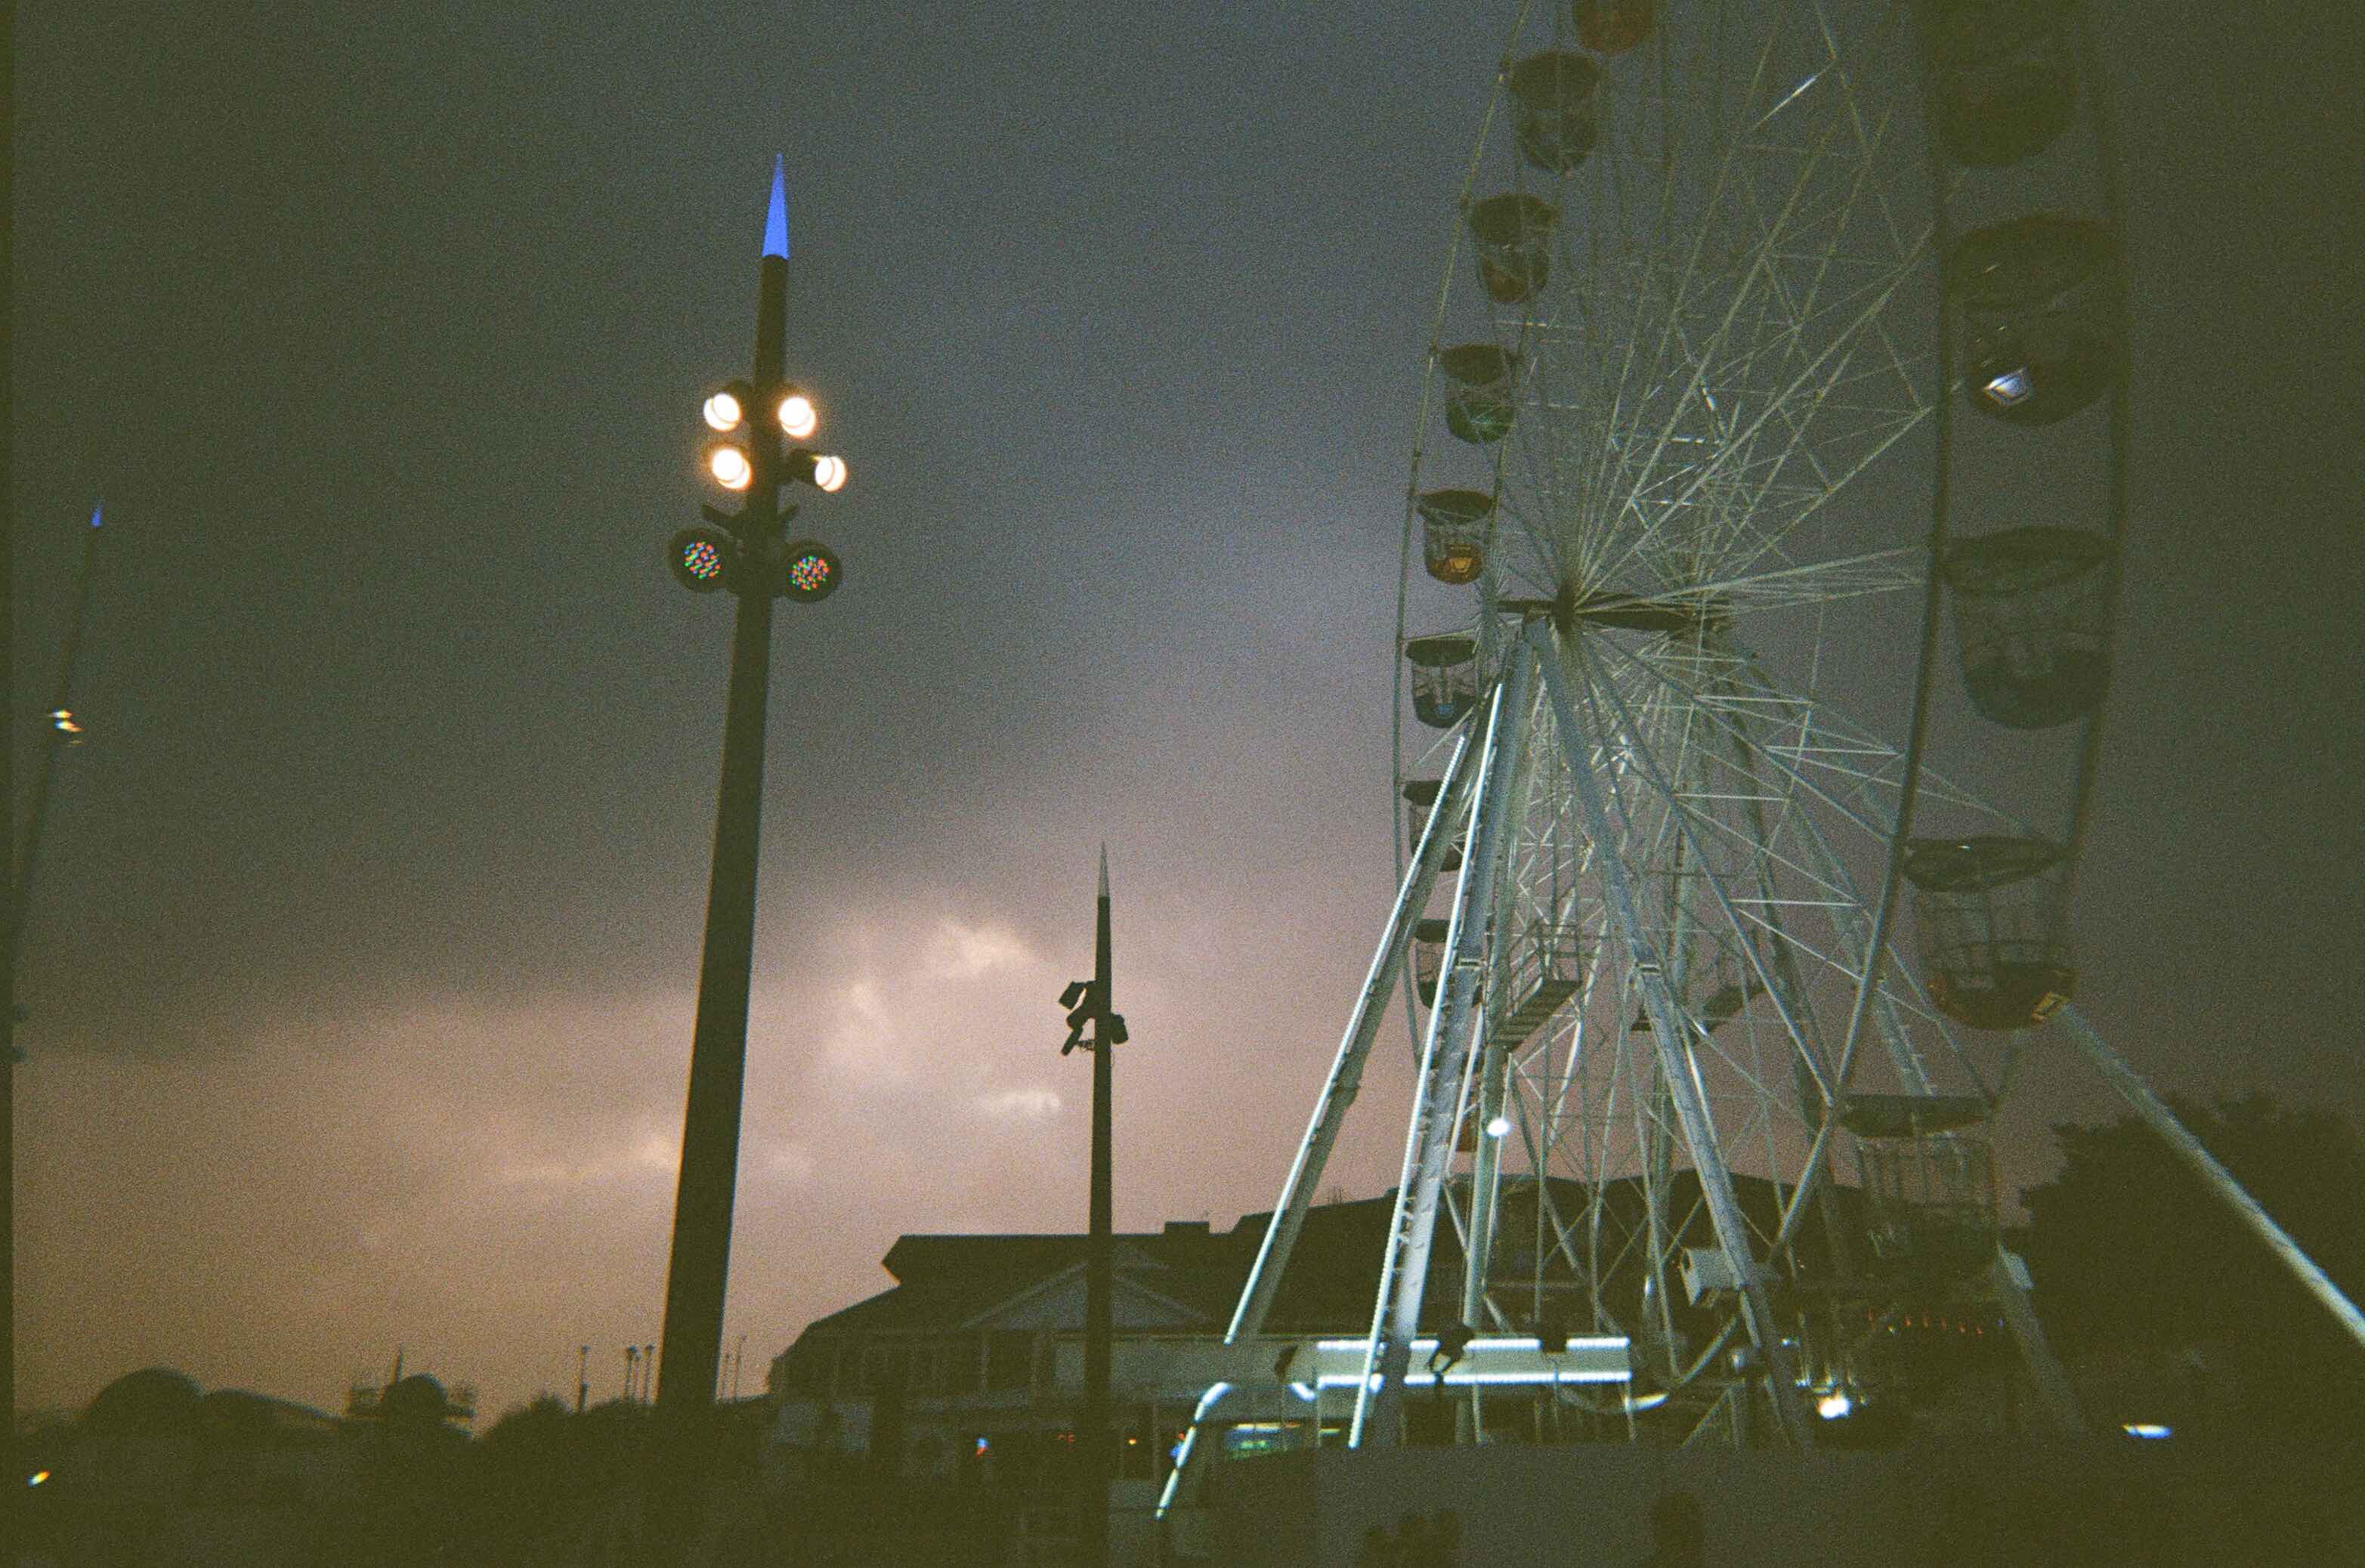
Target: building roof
951	1283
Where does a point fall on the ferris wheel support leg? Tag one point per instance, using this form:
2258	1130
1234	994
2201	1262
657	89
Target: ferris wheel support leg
1486	1175
1437	1097
1667	1032
2044	1367
1346	1078
1492	1068
2172	1132
1478	1243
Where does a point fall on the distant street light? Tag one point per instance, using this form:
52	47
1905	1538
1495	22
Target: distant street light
745	552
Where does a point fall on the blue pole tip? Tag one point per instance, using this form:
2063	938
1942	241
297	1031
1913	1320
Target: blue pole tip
96	512
776	224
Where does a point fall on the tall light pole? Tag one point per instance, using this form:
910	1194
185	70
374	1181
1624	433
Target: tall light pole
61	730
1090	1002
749	553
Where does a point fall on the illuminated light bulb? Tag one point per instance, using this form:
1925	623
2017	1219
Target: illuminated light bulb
1834	1405
731	467
722	411
829	473
797	416
2012	386
1498	1126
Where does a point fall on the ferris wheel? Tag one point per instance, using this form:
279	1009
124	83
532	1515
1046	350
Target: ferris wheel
1777	338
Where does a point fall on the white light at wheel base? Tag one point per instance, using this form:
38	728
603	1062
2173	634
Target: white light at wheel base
730	467
829	473
722	411
1498	1126
1834	1405
797	416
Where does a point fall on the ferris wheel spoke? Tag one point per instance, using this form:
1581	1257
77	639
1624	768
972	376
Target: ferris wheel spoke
1864	771
1786	520
1805	374
1817	583
1683	284
1786	1007
1761	275
1755	478
1678	1068
1853	926
1845	82
1815	863
1791	759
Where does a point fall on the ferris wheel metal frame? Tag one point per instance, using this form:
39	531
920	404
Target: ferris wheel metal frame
1695	353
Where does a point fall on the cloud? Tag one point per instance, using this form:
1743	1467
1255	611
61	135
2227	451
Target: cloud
1021	1104
965	952
864	1032
793	1162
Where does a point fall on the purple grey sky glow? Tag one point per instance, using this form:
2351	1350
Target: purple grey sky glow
360	972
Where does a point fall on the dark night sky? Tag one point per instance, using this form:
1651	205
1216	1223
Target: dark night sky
362	969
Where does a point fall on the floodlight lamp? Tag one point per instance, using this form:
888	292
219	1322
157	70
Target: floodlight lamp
829	473
722	411
812	572
1832	1406
700	558
797	416
730	467
1498	1126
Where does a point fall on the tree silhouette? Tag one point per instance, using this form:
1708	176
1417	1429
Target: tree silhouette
2133	1255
